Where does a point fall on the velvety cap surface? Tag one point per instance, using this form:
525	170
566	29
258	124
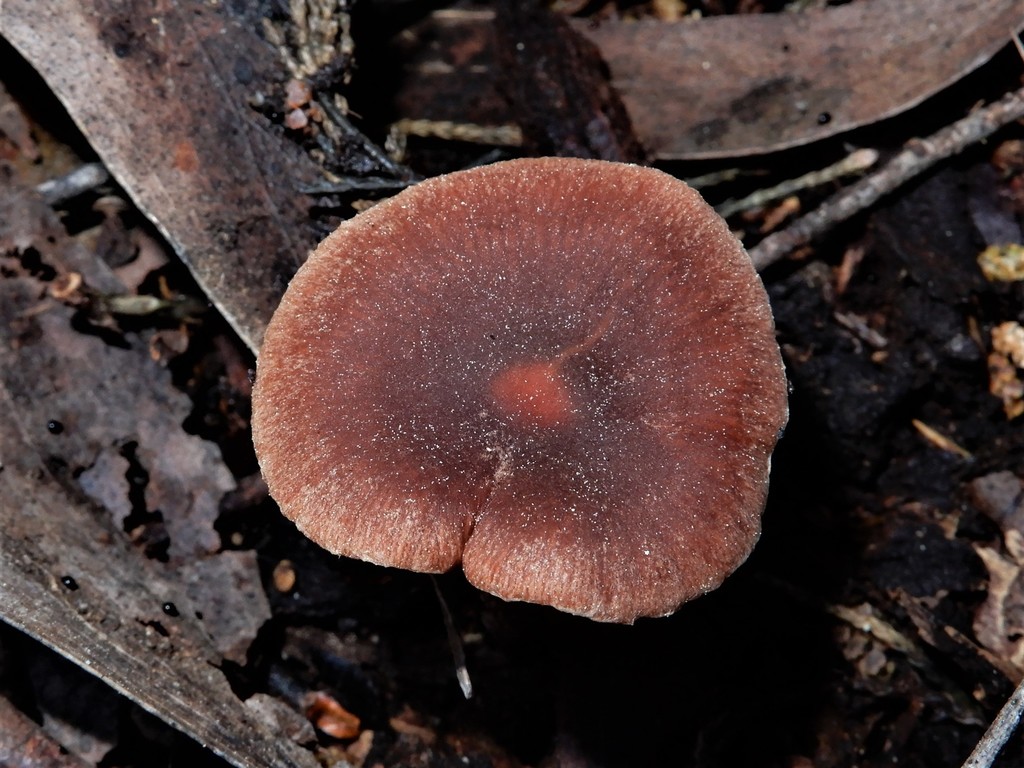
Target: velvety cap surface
562	373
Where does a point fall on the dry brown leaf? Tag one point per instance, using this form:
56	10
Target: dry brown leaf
999	623
123	419
163	95
1008	339
746	84
1004	362
329	717
90	421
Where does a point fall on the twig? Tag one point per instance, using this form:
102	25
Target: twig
509	135
344	184
917	156
714	178
941	441
998	733
856	162
352	136
73	184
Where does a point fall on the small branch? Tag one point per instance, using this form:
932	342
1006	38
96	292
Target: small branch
72	184
509	135
997	734
714	178
352	136
917	156
856	162
345	184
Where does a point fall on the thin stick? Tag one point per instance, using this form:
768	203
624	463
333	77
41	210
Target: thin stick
77	182
917	156
856	162
998	733
1018	45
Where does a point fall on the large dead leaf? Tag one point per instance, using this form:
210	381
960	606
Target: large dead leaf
739	85
92	435
162	91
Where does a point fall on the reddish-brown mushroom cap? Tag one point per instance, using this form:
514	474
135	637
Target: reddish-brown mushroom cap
562	373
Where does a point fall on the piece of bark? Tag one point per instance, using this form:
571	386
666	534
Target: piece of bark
748	84
162	92
557	86
73	406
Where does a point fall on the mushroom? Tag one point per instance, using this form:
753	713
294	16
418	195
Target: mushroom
561	373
